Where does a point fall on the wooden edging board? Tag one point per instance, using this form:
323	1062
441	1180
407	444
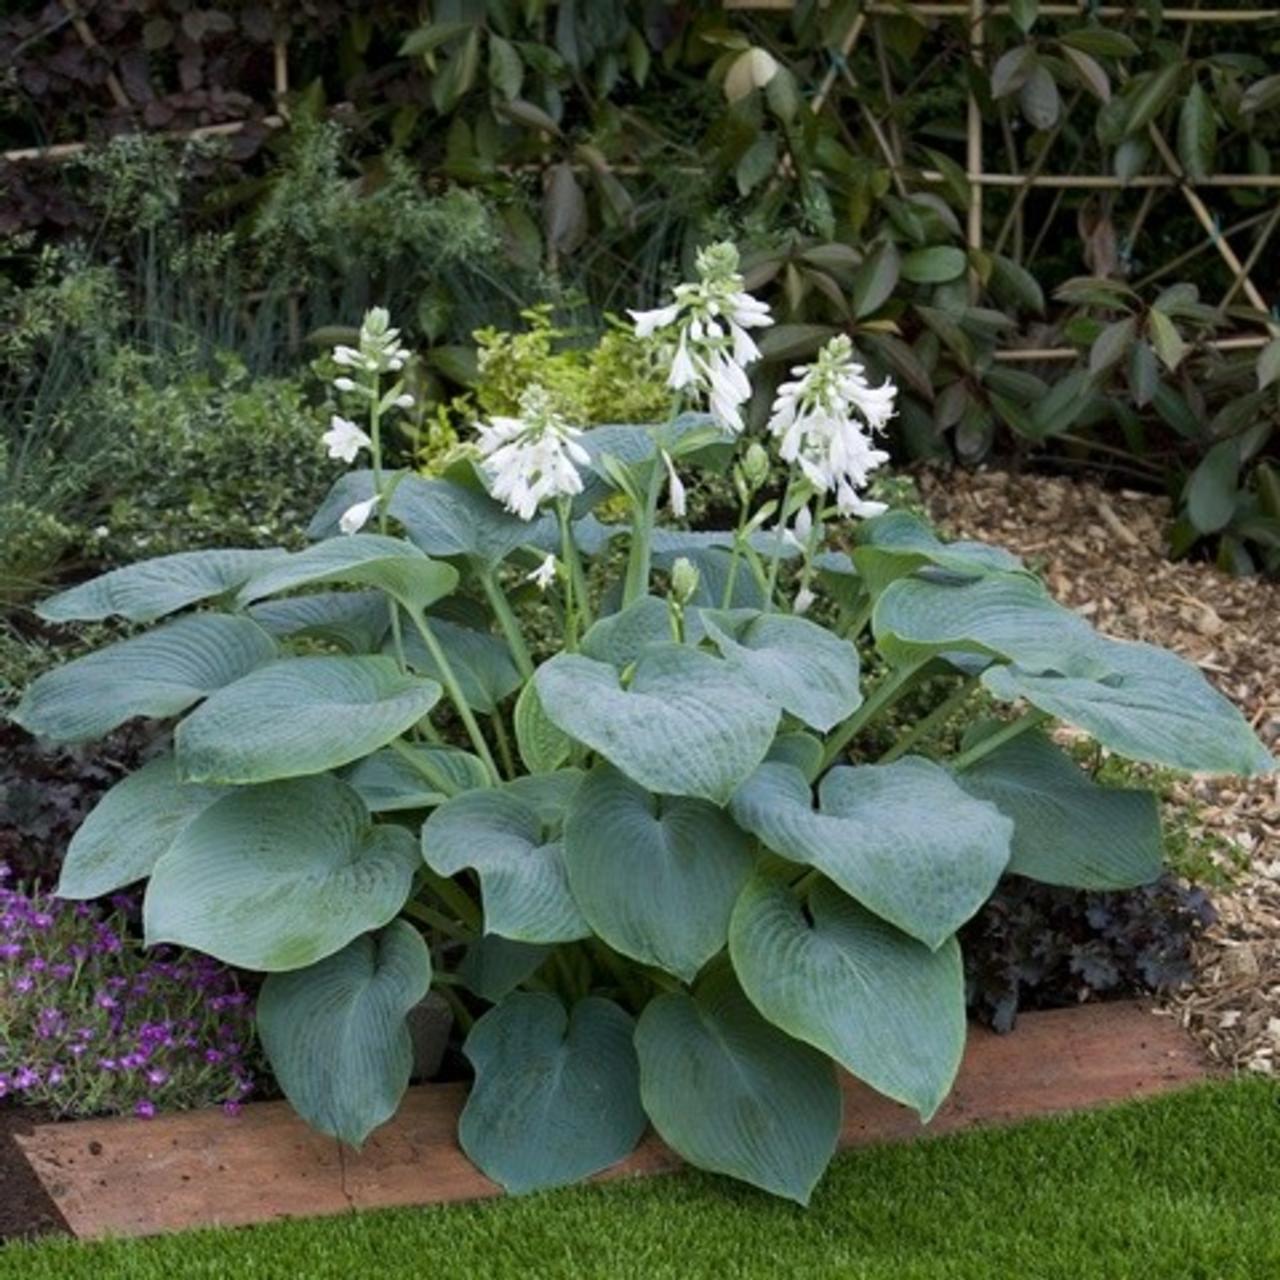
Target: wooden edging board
129	1177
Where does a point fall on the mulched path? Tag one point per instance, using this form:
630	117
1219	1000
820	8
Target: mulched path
1103	552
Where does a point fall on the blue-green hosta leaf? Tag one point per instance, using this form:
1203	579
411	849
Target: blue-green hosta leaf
415	777
897	543
655	877
803	750
619	638
901	838
1146	704
335	1032
686	725
731	1093
130	829
502	836
556	1096
542	746
355	620
808	671
493	965
277	877
160	673
361	559
1066	829
299	716
714	566
882	1004
1006	615
149	590
485	671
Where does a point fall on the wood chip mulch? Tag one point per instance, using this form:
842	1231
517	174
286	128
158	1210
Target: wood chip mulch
1103	553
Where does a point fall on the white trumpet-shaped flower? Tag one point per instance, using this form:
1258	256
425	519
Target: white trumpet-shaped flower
709	323
675	488
532	458
803	601
355	517
344	439
825	420
379	351
544	575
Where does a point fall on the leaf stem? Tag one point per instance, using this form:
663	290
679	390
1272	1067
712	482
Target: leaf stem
504	742
639	555
436	920
456	898
1014	728
507	619
933	721
778	543
883	696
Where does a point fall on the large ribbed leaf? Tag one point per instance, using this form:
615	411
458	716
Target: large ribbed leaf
685	725
1144	703
655	876
362	559
902	838
731	1093
335	1032
619	638
148	590
543	748
556	1096
493	965
299	716
1066	829
279	876
481	662
160	673
883	1005
130	829
517	852
356	620
807	670
898	543
415	777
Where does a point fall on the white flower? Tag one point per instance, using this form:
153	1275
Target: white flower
403	401
531	458
344	438
354	518
344	384
817	418
379	350
708	322
347	357
675	488
544	575
803	601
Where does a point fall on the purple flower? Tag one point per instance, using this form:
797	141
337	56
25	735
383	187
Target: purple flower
26	1078
146	1109
157	1076
231	1107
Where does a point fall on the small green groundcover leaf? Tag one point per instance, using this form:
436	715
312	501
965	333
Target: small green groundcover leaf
335	1032
731	1093
556	1095
883	1005
279	876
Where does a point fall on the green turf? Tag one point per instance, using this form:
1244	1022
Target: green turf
1185	1186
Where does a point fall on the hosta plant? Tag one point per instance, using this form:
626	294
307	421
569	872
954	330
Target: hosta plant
654	870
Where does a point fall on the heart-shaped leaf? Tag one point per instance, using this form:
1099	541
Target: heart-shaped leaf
731	1093
130	829
481	662
335	1032
299	716
807	670
655	877
883	1005
556	1096
149	590
1066	829
518	855
415	777
686	725
279	876
355	620
543	747
901	838
494	965
160	673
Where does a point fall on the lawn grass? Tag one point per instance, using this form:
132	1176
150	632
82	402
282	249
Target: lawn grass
1186	1186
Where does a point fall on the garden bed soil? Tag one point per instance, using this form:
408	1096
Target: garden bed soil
129	1177
1104	552
26	1209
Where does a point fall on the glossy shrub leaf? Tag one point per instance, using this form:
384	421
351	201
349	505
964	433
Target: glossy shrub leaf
685	725
804	668
731	1093
361	559
543	747
494	965
897	543
481	662
356	621
556	1096
1067	829
130	829
1213	490
1145	704
149	590
882	1004
418	776
335	1032
901	838
518	854
934	265
1197	133
655	876
159	673
299	716
279	876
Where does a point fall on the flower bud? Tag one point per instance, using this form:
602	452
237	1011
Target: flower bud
755	464
684	580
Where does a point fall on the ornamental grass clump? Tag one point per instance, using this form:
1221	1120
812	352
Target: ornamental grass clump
92	1025
659	870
